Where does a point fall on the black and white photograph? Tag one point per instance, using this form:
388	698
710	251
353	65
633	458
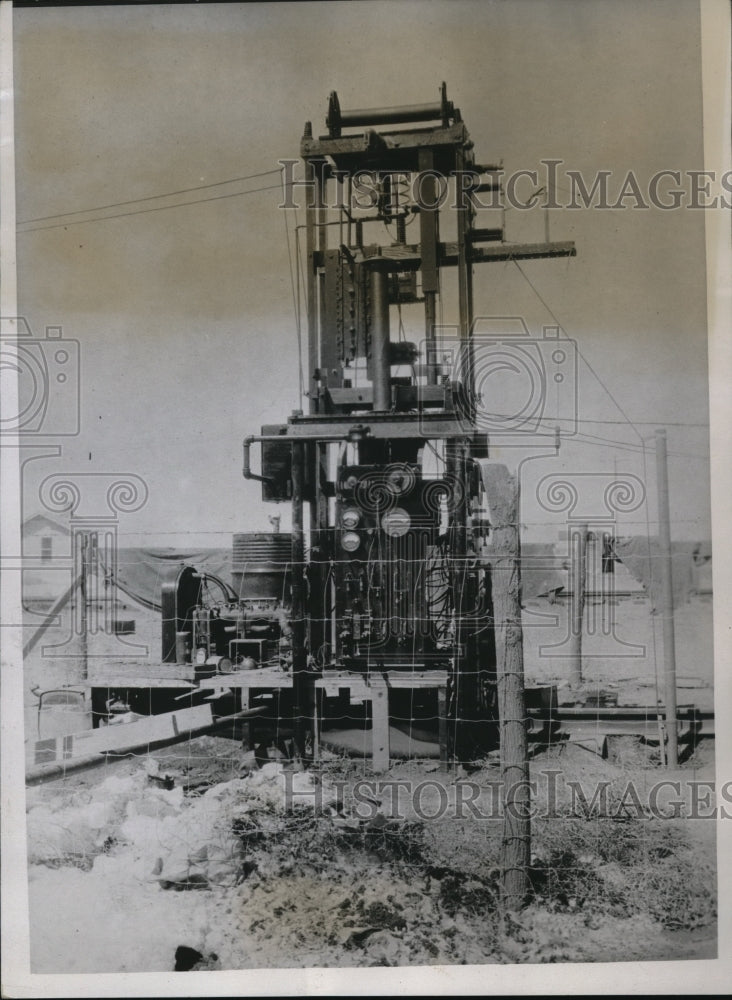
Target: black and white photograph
363	618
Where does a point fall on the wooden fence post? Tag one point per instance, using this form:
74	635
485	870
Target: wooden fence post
578	582
505	554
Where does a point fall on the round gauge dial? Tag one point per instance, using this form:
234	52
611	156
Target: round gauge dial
400	479
350	541
396	522
350	518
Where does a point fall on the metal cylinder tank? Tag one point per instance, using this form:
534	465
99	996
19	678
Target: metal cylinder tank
261	565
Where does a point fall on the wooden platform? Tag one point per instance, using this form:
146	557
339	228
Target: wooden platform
374	687
139	673
248	680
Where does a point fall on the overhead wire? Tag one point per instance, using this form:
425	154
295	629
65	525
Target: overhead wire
151	197
145	211
609	442
562	327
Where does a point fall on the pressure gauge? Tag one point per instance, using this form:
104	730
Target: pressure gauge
350	541
400	479
396	522
350	518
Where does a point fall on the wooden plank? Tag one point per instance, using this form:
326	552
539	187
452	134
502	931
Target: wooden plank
355	685
316	729
124	736
332	681
426	679
138	673
46	769
380	723
247	731
121	681
442	724
248	680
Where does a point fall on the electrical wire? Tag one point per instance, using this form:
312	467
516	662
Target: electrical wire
145	211
563	329
150	197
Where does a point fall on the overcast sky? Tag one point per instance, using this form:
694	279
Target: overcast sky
185	315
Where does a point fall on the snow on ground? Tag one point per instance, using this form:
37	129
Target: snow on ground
105	864
122	872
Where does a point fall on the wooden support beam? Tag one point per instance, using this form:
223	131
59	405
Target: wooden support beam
267	677
442	725
247	732
317	714
376	690
299	625
503	502
578	570
380	723
667	594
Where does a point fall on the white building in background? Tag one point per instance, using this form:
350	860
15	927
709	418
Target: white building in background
46	550
116	614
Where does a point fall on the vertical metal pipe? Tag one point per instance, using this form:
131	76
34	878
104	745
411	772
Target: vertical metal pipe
339	184
318	562
380	364
322	218
299	652
430	316
350	209
312	295
578	570
465	280
667	596
428	236
84	596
